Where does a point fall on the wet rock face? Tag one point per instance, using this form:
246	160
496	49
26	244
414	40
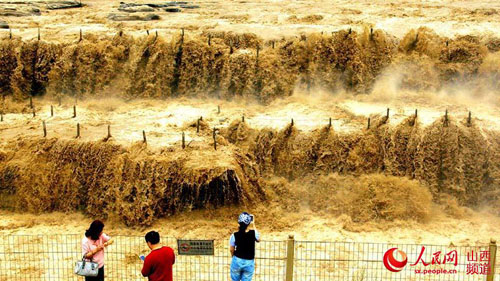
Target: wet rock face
141	8
190	6
57	5
133	8
128	17
170	7
10	11
29	8
172	10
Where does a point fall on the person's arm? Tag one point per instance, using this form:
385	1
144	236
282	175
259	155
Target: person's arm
146	267
90	253
105	238
257	234
85	248
232	244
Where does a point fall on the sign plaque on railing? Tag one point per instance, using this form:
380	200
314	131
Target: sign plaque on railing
196	247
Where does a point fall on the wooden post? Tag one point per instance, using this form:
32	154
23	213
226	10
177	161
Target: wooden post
493	258
31	102
388	113
51	111
144	136
330	123
446	117
416	113
198	125
147	32
183	141
291	123
272	43
34	114
218	109
209	39
368	127
39	34
1	116
74	111
469	119
215	139
109	131
44	130
81	35
77	130
290	257
243	118
10	33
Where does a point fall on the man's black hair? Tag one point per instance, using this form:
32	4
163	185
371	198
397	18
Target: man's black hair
153	237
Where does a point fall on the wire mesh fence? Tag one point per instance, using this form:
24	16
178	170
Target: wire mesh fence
364	261
43	257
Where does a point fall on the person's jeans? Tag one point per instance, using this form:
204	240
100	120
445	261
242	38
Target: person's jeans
241	269
99	277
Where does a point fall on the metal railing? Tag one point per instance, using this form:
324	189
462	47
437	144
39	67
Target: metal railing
44	257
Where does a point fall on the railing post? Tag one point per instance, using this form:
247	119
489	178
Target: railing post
493	259
290	257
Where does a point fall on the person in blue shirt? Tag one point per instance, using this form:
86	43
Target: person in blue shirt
242	247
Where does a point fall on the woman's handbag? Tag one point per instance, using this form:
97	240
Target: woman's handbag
86	268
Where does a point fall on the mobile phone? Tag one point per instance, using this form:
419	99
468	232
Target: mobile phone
142	257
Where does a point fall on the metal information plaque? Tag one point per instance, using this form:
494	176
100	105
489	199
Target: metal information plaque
196	247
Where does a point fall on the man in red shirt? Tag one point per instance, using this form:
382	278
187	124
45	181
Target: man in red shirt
158	264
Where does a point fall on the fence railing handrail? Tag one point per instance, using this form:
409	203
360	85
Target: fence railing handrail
391	243
262	241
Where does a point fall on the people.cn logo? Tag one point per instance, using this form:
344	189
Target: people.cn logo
393	264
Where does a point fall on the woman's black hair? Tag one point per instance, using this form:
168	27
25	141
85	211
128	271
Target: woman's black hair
95	230
243	227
